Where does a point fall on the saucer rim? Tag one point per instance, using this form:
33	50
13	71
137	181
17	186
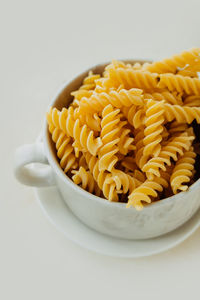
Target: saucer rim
92	248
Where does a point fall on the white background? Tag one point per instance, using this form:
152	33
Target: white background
42	45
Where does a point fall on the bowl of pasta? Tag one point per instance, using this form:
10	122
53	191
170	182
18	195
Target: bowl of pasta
121	142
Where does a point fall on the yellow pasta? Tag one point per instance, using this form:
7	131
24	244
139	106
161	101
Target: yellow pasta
110	138
65	151
180	83
176	146
128	134
86	180
182	114
108	189
183	171
122	98
88	85
131	78
115	64
154	119
84	137
169	97
123	181
125	143
139	142
170	65
145	191
135	115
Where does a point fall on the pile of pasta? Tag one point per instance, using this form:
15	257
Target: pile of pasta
128	134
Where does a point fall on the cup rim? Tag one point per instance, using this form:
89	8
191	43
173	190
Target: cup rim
58	170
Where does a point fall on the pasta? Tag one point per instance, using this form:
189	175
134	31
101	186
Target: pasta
122	98
131	135
65	151
123	181
182	114
109	137
108	189
170	65
175	146
84	137
135	115
180	83
145	190
139	141
86	180
169	97
182	171
86	88
131	78
154	120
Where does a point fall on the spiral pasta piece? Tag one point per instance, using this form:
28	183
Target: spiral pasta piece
135	115
115	64
88	85
91	120
123	182
125	143
176	146
109	137
170	65
180	83
169	97
86	181
65	151
182	114
78	95
140	159
84	138
132	78
108	189
118	99
145	191
153	128
183	171
89	81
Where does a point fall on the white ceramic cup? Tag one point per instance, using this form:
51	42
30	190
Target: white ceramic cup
110	218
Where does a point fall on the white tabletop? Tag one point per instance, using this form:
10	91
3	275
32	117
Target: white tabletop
43	44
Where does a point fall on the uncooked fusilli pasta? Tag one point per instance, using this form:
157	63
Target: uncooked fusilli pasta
180	83
182	172
170	65
129	134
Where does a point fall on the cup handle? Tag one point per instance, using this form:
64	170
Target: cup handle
37	176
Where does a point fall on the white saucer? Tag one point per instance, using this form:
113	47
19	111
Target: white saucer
60	215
